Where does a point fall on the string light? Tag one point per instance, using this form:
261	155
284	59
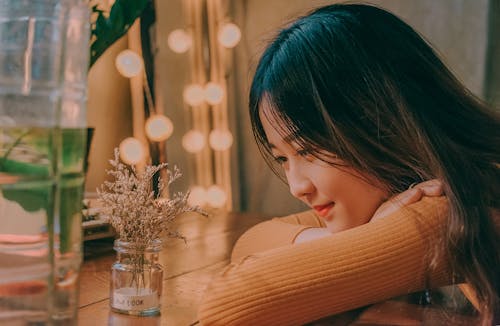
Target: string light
220	140
229	35
216	196
159	128
179	41
197	196
200	95
131	150
193	141
213	93
194	95
129	63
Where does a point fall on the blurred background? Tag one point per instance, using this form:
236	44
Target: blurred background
198	58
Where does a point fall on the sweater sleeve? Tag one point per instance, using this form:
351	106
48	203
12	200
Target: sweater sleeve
300	283
280	231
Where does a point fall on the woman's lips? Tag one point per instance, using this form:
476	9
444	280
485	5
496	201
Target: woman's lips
323	210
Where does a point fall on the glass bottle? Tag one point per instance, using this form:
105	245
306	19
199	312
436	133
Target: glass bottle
44	56
136	279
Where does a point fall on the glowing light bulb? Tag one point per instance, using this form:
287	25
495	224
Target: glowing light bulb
129	63
197	196
159	128
194	95
220	140
213	93
131	151
229	35
179	41
216	196
193	141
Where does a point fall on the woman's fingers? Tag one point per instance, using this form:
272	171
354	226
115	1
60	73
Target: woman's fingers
430	188
397	202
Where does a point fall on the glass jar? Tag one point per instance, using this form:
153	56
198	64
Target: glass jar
136	279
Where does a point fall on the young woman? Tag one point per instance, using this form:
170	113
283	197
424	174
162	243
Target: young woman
355	108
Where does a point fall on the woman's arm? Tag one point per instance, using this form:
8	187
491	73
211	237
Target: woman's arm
307	226
296	284
275	233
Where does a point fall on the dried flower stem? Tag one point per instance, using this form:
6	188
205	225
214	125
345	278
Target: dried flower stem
133	209
137	214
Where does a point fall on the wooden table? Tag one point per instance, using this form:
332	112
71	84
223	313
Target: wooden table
188	267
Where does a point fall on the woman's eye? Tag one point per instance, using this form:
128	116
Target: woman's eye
305	154
280	160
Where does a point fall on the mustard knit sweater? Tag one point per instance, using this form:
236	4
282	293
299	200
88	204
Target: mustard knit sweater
272	281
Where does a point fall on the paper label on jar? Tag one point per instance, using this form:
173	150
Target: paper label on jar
133	299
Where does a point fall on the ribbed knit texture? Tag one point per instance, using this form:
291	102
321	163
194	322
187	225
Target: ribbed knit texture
274	233
272	281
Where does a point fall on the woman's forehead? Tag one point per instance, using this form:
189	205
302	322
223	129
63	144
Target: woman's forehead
273	124
269	115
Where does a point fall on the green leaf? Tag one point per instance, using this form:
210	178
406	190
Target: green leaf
30	199
23	168
107	31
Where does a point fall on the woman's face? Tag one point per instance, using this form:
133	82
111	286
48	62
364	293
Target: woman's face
339	195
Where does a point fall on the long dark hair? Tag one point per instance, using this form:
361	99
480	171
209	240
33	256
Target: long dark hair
358	82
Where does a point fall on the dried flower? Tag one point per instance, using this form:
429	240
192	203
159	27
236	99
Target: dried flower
137	214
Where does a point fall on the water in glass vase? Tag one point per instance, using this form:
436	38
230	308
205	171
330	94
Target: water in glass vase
41	192
27	203
67	223
43	69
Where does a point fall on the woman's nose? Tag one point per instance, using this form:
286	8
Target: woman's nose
298	181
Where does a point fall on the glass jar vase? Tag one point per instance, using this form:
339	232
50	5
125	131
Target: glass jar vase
136	279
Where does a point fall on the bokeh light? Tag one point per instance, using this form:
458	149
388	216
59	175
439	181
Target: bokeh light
197	196
193	141
159	128
194	94
216	196
220	140
131	151
213	93
229	35
129	63
179	41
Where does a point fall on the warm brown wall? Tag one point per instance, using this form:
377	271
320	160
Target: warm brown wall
108	111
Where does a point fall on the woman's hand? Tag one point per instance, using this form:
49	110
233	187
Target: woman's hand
312	234
431	188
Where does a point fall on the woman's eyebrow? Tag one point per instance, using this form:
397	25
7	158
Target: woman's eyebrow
291	138
287	139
